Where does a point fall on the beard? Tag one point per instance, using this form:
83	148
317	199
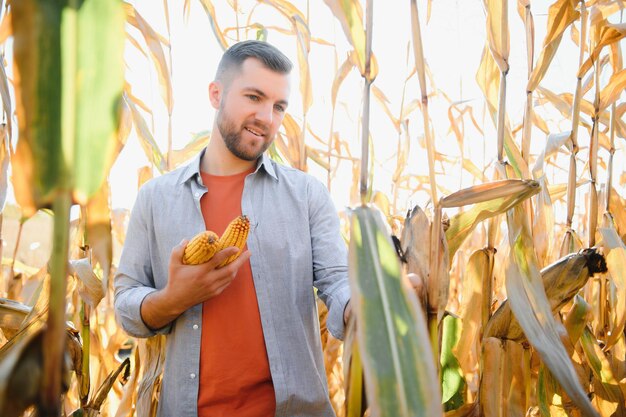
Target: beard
231	134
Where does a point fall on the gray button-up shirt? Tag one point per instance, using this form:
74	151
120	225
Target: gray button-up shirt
295	245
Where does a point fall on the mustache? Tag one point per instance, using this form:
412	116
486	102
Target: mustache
258	126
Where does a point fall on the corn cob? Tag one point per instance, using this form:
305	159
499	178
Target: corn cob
201	248
562	280
235	235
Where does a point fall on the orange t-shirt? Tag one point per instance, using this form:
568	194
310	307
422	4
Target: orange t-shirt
235	376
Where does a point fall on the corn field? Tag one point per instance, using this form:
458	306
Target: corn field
476	152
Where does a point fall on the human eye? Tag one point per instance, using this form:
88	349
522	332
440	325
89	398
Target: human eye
253	97
279	108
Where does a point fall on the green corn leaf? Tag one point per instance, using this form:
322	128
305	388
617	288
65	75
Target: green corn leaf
391	328
69	61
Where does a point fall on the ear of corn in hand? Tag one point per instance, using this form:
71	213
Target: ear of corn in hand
206	244
201	248
235	235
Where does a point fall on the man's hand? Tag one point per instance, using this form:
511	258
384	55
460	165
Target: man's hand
189	285
347	312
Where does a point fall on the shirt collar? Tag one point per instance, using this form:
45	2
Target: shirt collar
193	168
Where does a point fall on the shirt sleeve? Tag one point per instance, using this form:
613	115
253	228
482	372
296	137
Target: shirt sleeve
330	257
134	279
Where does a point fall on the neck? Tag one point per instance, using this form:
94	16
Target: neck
218	160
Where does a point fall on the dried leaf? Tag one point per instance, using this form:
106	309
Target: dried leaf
90	287
498	32
616	263
350	15
463	223
146	140
155	47
561	15
98	230
532	308
613	90
609	34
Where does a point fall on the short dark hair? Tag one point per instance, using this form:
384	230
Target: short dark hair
268	54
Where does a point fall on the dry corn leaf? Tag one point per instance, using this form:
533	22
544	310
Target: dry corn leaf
498	32
543	225
290	149
21	370
341	75
103	390
210	11
616	263
143	175
602	372
615	57
532	309
488	79
98	230
609	33
303	43
603	9
6	97
155	43
482	193
613	90
384	103
561	14
12	314
128	398
462	224
152	354
415	233
146	140
6	28
90	286
192	148
5	156
467	351
350	15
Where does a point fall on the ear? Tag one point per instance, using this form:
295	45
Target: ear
215	93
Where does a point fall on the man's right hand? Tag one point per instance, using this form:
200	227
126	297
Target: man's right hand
189	285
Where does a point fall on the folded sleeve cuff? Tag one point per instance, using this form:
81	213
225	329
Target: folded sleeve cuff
334	322
128	313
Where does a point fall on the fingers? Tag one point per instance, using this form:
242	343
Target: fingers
178	251
221	256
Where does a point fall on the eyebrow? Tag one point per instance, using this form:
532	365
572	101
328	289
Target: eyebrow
263	95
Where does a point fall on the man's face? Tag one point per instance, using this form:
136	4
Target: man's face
252	108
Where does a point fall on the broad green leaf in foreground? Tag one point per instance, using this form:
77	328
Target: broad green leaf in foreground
391	328
68	99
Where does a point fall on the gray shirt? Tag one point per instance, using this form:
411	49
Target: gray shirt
295	245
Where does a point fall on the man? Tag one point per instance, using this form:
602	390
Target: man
242	340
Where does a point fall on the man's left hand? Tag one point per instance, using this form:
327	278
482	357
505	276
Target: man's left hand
347	312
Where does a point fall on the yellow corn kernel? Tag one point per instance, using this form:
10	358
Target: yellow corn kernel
236	234
201	248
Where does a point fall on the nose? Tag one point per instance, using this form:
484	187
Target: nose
265	114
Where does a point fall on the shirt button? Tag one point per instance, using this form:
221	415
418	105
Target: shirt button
192	376
195	327
197	194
